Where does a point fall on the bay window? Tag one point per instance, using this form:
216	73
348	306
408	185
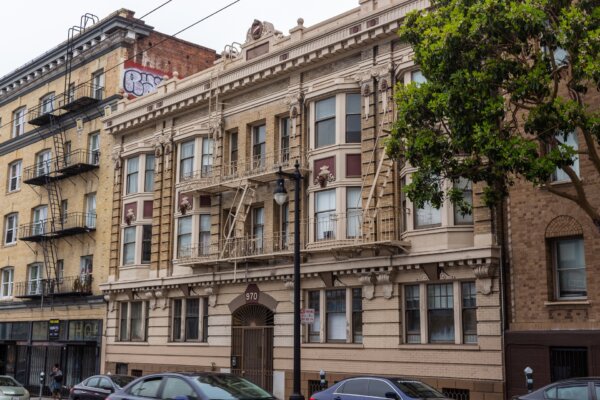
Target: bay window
428	216
132	175
129	245
353	212
353	130
184	236
465	186
146	243
186	159
207	156
204	234
149	173
325	122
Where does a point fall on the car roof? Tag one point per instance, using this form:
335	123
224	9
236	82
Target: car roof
395	378
578	379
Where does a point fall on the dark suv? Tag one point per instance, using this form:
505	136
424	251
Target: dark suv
191	386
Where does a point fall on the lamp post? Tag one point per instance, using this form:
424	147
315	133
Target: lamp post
280	195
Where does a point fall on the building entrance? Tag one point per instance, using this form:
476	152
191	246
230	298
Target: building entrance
252	344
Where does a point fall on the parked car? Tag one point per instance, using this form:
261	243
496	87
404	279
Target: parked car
568	389
10	389
191	386
98	387
371	387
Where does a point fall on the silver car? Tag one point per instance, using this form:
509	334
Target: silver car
10	389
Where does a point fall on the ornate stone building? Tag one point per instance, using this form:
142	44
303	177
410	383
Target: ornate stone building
57	176
201	254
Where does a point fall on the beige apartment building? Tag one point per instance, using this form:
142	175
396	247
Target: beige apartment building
57	196
395	290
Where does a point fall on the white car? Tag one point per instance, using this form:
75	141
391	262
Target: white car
10	389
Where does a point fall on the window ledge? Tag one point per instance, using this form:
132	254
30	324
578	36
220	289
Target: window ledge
431	346
187	344
567	303
126	343
334	345
9	245
13	191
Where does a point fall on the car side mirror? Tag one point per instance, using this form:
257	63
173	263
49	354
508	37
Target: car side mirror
392	395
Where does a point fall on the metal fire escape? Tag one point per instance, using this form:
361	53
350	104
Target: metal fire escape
48	173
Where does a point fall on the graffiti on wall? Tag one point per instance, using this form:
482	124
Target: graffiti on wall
139	80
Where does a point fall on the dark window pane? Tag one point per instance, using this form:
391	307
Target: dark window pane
379	388
440	300
146	243
177	319
192	316
325	132
353	128
357	387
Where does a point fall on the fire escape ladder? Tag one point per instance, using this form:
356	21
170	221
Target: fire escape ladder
236	218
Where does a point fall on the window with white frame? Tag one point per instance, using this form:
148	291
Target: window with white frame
6	286
86	267
129	245
186	159
427	216
42	162
325	122
259	146
233	152
440	312
284	142
133	321
18	122
325	222
207	156
204	236
569	268
34	278
47	104
284	225
412	313
146	244
417	77
569	140
341	321
133	167
258	228
189	319
465	186
353	129
149	173
184	236
40	218
14	176
98	82
353	212
94	148
469	312
11	224
90	210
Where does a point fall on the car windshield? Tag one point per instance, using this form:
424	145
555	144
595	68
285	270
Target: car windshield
8	381
417	389
229	387
121	380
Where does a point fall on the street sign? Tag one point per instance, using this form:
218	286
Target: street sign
54	329
307	316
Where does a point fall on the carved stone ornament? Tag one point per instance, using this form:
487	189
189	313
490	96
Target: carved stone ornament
115	156
368	285
365	91
324	176
385	280
485	277
260	29
215	125
289	285
211	292
294	101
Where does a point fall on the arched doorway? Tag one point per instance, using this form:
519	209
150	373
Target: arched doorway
252	344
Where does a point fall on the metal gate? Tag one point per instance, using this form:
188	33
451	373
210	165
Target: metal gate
252	345
568	362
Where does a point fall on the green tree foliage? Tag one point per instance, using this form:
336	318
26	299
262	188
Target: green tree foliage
507	80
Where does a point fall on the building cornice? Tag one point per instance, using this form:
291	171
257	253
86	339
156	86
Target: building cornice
176	95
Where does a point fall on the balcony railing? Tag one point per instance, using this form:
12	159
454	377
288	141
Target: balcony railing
70	224
334	231
81	96
72	285
261	167
72	163
42	114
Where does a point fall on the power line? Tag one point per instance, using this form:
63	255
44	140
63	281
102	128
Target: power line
160	41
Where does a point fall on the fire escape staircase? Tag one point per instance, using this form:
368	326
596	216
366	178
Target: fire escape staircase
234	224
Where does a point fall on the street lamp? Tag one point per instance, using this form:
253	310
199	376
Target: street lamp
280	196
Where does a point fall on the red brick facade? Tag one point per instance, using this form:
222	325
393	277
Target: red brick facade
539	322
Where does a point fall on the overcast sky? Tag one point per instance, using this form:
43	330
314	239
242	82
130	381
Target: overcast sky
29	28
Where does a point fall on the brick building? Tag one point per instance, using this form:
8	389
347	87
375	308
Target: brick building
201	255
552	290
56	171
